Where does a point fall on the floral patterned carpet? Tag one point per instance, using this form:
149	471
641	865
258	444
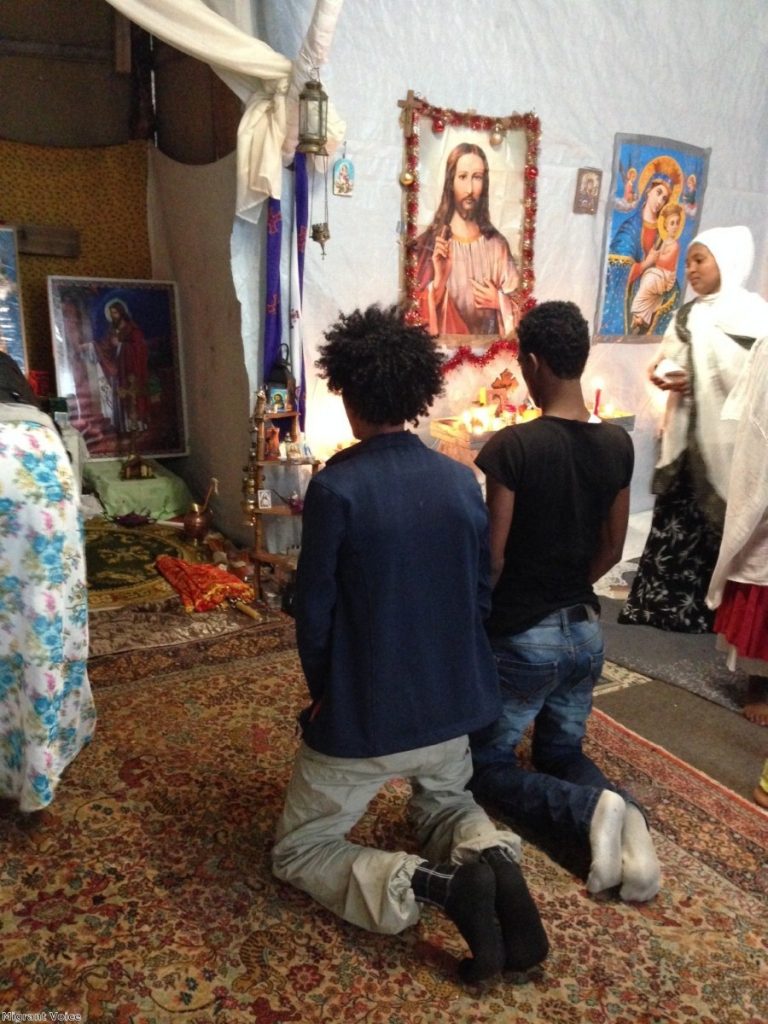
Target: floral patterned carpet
143	895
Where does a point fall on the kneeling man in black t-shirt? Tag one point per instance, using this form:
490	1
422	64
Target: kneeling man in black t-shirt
558	499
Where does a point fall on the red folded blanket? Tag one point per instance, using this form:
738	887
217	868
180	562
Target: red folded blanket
202	586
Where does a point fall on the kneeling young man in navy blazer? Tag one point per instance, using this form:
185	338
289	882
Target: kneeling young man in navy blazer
391	592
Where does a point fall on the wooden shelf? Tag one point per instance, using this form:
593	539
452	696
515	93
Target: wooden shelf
278	558
254	481
276	510
286	463
285	414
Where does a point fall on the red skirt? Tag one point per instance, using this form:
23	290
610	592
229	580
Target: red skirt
742	619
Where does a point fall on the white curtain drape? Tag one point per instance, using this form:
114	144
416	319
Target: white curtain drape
267	82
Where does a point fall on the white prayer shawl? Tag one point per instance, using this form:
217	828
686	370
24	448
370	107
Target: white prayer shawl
744	548
713	360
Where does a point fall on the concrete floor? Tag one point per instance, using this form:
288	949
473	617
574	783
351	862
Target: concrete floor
719	742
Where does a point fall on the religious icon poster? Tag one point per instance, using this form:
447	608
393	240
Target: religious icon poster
116	346
469	202
587	190
11	322
654	208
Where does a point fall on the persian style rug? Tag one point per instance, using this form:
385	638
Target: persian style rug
120	562
143	895
162	624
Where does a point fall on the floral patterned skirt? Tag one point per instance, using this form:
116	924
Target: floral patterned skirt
676	565
46	707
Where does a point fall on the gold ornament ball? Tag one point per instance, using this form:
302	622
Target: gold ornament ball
407	179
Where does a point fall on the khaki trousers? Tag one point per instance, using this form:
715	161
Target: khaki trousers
371	888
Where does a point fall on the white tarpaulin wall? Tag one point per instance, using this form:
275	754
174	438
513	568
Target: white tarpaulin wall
690	70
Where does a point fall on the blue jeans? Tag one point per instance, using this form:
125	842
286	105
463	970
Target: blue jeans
547	674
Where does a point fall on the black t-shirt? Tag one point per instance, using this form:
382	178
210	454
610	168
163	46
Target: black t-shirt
565	475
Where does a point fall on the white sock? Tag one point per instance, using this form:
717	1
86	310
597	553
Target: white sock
605	832
640	870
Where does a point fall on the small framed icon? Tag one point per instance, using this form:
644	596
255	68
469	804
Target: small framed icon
279	399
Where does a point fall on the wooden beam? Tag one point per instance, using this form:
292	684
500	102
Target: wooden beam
40	240
123	56
55	51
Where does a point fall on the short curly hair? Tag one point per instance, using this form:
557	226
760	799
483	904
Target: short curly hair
557	333
388	371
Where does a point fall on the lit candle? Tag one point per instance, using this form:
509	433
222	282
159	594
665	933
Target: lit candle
597	384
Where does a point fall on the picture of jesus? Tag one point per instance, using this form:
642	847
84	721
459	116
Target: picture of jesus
116	348
659	269
122	354
466	274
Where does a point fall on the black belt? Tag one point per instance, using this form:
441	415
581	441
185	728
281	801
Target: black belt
577	613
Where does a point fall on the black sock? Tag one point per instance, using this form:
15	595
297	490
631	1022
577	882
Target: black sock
467	894
525	940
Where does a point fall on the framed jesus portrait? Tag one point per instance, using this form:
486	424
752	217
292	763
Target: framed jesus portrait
469	199
116	346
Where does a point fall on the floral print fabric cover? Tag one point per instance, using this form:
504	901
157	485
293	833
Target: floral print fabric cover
46	707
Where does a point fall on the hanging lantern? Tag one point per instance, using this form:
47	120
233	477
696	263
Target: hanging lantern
313	117
321	234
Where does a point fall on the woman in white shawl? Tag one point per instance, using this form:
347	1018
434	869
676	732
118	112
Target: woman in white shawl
698	364
739	586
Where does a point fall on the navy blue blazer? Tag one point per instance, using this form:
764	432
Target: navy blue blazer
391	592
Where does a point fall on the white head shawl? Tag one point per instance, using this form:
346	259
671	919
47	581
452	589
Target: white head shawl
720	364
733	309
734	252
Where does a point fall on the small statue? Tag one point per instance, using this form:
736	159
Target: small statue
272	443
135	468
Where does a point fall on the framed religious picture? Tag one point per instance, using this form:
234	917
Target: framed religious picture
343	177
654	208
11	320
117	350
469	202
278	398
587	190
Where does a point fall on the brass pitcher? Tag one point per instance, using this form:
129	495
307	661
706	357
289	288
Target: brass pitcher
197	523
199	520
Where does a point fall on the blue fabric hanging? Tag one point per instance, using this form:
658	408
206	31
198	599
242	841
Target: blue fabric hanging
272	314
301	201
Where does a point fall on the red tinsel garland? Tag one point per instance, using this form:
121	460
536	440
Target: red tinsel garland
464	354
